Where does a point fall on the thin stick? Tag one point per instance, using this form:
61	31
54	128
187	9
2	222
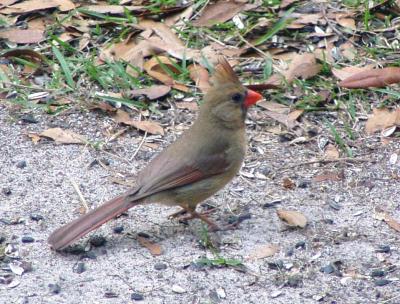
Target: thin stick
28	87
140	146
328	161
78	191
253	46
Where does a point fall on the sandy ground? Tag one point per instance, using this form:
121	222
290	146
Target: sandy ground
337	258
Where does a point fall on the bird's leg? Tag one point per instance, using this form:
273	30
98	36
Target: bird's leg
192	214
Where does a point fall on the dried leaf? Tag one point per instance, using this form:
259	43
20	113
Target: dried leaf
34	137
384	216
382	119
292	218
154	248
287	183
349	71
29	6
331	152
304	66
200	76
23	36
146	126
61	136
153	92
192	106
264	251
373	78
219	12
329	176
280	113
155	70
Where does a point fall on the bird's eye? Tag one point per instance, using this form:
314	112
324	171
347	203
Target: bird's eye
237	97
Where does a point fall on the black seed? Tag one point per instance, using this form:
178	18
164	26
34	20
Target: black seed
118	229
294	281
21	164
383	248
55	288
36	217
160	266
27	239
75	250
304	184
6	191
89	255
381	282
377	273
97	240
301	244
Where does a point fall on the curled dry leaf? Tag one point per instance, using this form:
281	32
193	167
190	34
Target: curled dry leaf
263	251
154	248
377	78
304	66
23	36
155	68
153	92
329	176
386	217
37	5
292	218
281	113
350	71
146	126
382	119
192	106
219	12
331	152
200	76
287	183
61	136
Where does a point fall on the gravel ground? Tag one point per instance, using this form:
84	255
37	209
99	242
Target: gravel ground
342	256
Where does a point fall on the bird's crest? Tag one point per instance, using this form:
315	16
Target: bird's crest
224	73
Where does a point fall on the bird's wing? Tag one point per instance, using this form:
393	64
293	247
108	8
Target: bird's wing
168	171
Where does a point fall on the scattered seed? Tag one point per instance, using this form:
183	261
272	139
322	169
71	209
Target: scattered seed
36	217
272	203
75	249
6	191
300	244
383	249
377	273
110	294
303	184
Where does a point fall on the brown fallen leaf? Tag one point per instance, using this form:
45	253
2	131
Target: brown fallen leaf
156	70
34	137
219	12
154	248
329	176
347	72
23	36
192	106
61	136
200	76
386	217
143	125
29	6
304	66
331	152
287	183
263	251
377	78
27	54
281	113
153	92
292	218
382	119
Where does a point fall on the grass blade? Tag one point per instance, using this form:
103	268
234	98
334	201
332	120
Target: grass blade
64	67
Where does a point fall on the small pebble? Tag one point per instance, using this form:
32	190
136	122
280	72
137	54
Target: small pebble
118	229
160	266
2	238
6	191
28	118
276	265
75	249
143	234
300	244
377	273
383	249
328	269
304	184
21	164
80	267
289	252
137	296
55	288
36	217
294	281
381	282
178	289
97	240
27	239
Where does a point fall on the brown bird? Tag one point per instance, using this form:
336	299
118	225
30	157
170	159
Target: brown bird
190	170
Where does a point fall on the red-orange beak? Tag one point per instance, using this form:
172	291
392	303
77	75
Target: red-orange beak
251	98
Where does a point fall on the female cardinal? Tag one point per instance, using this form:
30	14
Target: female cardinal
193	168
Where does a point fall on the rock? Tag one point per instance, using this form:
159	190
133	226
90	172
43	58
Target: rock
21	164
294	281
6	191
328	269
80	267
160	266
383	249
137	296
27	239
97	240
54	288
178	289
303	184
300	244
377	273
118	229
36	217
28	118
381	282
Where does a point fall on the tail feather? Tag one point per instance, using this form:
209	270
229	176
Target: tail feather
65	235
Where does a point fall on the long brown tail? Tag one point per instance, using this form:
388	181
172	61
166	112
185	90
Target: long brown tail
78	228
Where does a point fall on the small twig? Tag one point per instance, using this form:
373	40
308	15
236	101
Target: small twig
78	191
28	87
252	46
139	147
328	161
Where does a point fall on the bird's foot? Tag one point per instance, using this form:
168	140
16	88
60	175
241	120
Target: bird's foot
186	215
